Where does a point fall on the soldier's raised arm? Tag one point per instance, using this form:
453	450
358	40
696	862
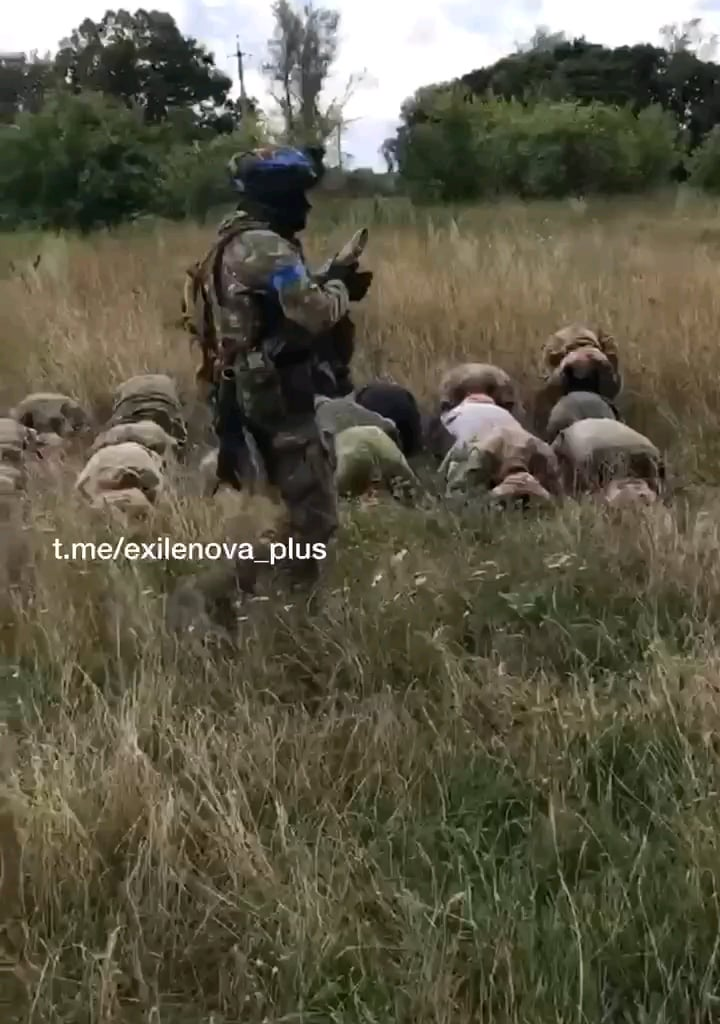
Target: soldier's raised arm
273	264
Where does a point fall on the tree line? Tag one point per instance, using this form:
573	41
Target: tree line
562	117
131	117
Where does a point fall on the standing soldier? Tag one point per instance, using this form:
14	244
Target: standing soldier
258	313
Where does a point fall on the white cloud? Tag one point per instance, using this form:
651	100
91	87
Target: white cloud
403	44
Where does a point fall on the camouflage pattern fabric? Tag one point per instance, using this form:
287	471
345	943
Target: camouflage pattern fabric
584	369
121	469
14	546
154	397
258	260
594	452
578	405
203	298
15	441
575	353
263	313
564	341
480	378
209	464
225	303
508	458
52	416
367	458
129	500
301	469
143	432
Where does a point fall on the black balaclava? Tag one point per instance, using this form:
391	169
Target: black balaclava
286	213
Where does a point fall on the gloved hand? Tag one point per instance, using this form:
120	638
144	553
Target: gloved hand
356	281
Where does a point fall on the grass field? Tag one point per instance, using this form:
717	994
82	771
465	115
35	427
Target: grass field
482	784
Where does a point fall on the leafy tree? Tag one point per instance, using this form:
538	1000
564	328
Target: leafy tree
301	53
704	164
640	76
143	60
464	148
81	162
440	154
194	179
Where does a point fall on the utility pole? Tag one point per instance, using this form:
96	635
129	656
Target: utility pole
238	55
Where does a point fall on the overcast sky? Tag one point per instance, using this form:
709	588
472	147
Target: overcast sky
402	44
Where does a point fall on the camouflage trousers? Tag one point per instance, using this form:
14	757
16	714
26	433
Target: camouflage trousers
301	467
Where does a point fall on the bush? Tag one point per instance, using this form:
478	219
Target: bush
704	163
464	148
82	162
193	179
86	161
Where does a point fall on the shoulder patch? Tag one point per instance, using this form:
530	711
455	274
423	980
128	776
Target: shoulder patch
291	273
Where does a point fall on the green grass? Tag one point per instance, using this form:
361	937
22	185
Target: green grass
481	783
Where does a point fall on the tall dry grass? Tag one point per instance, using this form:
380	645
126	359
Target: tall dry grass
481	783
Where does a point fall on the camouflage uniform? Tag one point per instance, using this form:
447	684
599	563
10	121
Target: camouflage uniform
126	474
52	416
508	464
154	397
576	358
144	432
15	441
257	310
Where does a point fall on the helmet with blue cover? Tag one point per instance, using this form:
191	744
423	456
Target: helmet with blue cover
273	171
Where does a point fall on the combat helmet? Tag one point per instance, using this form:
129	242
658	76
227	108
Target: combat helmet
276	170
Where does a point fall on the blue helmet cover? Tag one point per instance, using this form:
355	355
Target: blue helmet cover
274	169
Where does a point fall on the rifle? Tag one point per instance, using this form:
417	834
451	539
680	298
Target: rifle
336	346
233	454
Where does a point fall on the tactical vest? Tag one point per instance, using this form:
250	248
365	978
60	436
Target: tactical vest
202	303
272	357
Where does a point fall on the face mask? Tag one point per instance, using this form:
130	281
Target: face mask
287	213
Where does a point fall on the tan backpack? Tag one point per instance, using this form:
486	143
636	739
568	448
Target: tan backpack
202	297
